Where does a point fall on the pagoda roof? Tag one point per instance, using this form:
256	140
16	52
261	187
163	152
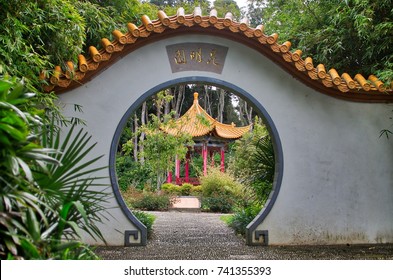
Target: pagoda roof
197	122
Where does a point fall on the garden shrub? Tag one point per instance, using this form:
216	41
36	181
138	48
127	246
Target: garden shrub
220	191
170	188
132	173
217	182
218	203
242	217
130	195
152	202
48	192
196	190
147	219
185	189
173	189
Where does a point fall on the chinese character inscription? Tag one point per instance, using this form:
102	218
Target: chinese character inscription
197	56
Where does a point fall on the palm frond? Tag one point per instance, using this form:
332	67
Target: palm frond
73	187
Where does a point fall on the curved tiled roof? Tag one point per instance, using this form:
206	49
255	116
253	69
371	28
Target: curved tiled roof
197	122
328	81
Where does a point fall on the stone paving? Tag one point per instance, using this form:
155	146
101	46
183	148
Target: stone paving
203	236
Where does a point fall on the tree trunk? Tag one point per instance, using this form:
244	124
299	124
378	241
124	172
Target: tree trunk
241	116
207	104
142	137
220	107
248	112
135	138
167	105
249	115
179	100
158	102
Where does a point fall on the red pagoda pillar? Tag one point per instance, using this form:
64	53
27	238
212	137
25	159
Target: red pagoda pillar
177	171
169	177
187	167
212	158
204	155
222	166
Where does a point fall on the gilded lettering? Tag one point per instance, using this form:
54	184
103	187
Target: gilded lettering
180	57
212	58
196	55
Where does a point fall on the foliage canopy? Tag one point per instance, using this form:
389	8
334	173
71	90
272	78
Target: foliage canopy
354	36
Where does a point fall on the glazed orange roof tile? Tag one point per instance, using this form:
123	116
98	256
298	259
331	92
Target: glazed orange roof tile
197	122
331	82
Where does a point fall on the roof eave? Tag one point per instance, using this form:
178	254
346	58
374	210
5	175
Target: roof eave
361	89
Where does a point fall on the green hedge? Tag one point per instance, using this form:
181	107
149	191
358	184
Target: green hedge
147	219
185	190
152	202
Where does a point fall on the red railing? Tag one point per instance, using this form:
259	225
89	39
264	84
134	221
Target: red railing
191	180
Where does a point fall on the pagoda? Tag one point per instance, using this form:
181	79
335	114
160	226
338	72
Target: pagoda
209	135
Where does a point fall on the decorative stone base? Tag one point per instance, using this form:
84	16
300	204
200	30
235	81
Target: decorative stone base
186	203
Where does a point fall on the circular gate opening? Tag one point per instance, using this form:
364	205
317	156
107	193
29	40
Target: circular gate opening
153	163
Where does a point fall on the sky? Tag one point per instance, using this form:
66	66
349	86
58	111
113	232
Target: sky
241	3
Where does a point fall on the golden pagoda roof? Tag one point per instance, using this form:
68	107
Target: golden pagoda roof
197	122
320	78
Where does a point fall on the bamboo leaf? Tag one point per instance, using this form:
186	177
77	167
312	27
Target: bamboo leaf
5	85
13	132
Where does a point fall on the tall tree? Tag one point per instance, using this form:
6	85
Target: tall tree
225	6
143	134
353	36
135	137
221	105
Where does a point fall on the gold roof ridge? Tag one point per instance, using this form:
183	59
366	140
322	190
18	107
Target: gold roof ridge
330	82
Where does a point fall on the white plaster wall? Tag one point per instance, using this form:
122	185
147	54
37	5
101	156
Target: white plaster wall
337	182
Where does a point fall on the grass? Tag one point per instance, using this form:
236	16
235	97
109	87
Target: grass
226	219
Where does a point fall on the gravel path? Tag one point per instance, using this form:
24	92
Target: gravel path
203	236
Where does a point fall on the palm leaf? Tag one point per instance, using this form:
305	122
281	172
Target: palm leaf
71	188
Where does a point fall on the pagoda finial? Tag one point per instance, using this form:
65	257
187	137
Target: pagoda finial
195	97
